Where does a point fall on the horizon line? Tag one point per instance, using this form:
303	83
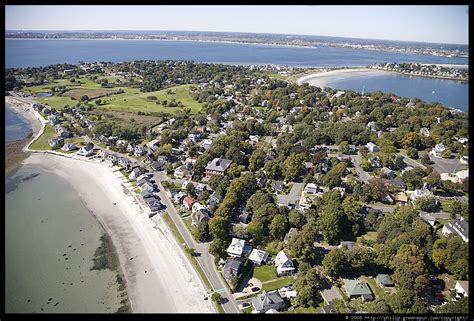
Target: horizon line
244	32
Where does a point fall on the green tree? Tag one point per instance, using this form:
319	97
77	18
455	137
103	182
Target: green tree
218	248
308	285
257	160
278	227
460	306
98	101
334	263
427	204
301	246
203	231
450	254
219	227
344	147
258	200
378	306
255	228
296	218
293	166
412	153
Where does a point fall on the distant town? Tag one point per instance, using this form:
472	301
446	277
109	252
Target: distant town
444	50
425	70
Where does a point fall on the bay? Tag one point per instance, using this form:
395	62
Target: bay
50	241
35	53
450	93
16	126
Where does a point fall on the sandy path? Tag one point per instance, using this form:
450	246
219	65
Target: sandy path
170	284
323	78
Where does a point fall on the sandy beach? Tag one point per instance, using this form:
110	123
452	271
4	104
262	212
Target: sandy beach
158	276
323	78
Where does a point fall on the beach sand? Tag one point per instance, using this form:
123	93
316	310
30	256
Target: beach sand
158	276
323	78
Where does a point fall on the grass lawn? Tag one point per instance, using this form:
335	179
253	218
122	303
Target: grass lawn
191	228
369	236
133	100
281	282
265	272
56	101
445	204
274	247
247	310
173	228
306	310
42	142
378	291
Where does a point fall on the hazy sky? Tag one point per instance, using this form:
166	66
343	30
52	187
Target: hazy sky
442	24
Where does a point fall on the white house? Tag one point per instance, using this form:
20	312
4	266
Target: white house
372	147
464	160
438	150
284	264
462	289
236	247
258	256
420	193
85	152
459	227
311	188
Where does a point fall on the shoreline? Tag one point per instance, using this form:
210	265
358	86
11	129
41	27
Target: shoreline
145	253
140	246
323	78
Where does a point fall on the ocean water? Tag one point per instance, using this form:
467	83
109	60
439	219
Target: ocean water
16	127
50	240
450	93
35	53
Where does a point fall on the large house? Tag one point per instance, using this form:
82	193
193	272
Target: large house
358	289
438	150
462	289
218	166
284	264
258	256
55	142
372	147
420	193
188	203
457	226
266	301
232	268
236	247
198	217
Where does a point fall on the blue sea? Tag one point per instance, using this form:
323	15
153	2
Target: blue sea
16	127
450	93
35	53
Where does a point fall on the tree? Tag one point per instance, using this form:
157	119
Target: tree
307	285
446	153
218	248
191	189
433	179
344	147
219	227
258	200
412	153
216	297
255	228
84	98
413	178
296	218
450	254
98	102
425	159
401	301
203	231
378	188
278	227
334	263
257	160
293	166
378	306
460	306
427	204
459	208
301	246
330	223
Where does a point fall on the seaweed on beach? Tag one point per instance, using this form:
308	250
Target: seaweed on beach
104	256
12	183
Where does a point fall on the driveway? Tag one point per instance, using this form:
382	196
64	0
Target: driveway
292	197
442	165
363	175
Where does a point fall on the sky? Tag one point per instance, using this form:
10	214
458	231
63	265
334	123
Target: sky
436	23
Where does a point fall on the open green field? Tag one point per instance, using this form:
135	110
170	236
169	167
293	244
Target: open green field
369	236
191	228
134	101
42	142
56	101
278	283
377	290
265	272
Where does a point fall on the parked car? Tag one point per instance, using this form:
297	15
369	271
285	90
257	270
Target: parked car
245	304
255	289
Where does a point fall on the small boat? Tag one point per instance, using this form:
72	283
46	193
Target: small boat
433	92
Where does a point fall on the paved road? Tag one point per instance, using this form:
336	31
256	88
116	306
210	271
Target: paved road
442	165
363	175
205	259
410	161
